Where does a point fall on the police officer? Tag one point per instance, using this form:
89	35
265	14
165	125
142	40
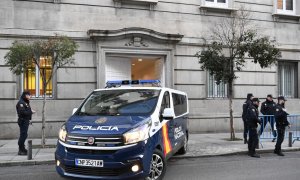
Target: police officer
268	108
246	105
24	116
252	121
281	124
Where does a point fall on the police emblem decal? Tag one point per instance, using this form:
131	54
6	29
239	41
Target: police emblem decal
91	140
101	121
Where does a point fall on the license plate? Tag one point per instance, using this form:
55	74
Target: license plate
89	162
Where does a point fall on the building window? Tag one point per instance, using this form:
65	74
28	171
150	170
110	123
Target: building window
286	6
32	79
216	3
216	90
287	77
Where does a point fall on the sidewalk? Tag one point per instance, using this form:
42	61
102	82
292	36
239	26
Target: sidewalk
9	153
206	145
200	145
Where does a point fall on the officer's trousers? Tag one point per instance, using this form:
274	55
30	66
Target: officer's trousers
253	140
246	130
280	138
23	125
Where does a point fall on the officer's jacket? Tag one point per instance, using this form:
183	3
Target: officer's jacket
24	110
246	105
268	108
281	116
252	117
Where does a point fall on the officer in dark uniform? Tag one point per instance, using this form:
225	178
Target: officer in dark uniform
268	108
252	121
24	116
281	124
246	105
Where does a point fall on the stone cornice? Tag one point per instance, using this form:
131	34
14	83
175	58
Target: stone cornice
134	31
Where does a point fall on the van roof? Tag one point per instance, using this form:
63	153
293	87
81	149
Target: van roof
130	87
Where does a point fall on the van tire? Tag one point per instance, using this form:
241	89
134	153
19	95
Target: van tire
157	161
184	148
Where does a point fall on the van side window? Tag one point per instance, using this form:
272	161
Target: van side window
165	102
180	104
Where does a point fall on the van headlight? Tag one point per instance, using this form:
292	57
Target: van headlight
62	133
138	134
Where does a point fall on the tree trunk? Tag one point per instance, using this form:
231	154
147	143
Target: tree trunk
43	115
230	95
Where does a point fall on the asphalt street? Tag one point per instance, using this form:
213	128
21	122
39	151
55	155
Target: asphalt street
239	167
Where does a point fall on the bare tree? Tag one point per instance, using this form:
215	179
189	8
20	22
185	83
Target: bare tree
58	50
232	39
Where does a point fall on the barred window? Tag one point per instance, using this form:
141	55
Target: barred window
287	77
216	90
32	79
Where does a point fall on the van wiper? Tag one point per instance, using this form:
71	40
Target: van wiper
114	114
85	114
107	114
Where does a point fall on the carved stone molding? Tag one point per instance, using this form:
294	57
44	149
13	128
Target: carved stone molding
136	33
137	42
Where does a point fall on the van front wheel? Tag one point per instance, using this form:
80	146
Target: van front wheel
158	166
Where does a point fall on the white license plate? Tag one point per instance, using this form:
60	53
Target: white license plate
89	162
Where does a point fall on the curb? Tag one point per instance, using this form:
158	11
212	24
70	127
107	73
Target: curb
262	151
27	163
52	162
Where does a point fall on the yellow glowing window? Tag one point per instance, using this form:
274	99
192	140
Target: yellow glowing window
279	4
33	78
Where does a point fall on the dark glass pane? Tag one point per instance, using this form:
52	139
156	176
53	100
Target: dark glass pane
289	5
210	0
221	1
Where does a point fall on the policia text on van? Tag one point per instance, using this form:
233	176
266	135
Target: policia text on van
124	132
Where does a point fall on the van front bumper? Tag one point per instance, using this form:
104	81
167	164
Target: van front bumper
117	163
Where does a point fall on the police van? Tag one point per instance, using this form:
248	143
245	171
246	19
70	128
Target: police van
124	132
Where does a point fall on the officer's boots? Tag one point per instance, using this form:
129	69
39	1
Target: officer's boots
279	153
255	155
22	151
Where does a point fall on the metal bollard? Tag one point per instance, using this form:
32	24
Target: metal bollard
290	139
29	152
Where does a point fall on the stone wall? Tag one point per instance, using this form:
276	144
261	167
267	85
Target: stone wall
27	20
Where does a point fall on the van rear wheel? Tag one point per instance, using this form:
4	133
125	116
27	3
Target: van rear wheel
158	166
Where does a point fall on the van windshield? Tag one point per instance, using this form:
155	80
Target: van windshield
120	102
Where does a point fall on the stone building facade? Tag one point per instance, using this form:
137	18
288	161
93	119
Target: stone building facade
144	39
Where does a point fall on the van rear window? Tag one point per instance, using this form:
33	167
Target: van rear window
180	104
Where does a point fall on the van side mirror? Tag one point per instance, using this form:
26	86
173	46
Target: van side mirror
168	114
74	111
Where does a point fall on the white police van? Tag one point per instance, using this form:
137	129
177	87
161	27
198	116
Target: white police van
124	132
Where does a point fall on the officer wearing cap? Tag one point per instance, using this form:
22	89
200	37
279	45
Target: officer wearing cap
246	105
268	109
252	121
24	116
281	124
